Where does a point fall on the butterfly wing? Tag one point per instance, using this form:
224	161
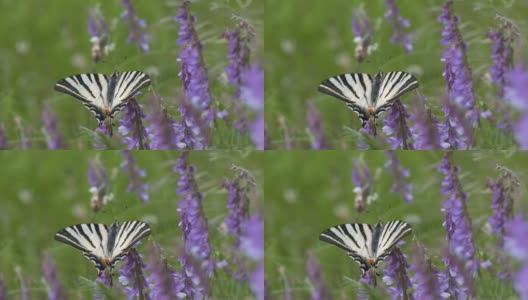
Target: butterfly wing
354	89
91	239
356	239
126	87
128	233
90	88
391	234
393	85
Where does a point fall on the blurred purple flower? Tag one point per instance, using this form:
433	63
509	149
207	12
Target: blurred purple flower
428	282
369	278
3	138
400	176
196	283
459	282
396	277
105	278
458	130
24	291
428	132
100	35
364	35
252	244
458	227
517	246
164	282
51	127
193	221
135	186
502	54
257	132
502	204
104	129
400	24
252	91
132	277
137	27
194	131
193	72
396	124
238	205
164	133
363	185
99	185
56	290
457	71
368	131
315	128
132	123
516	92
315	274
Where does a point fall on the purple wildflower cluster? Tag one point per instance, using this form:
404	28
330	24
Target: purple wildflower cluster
131	126
516	92
516	245
137	27
363	186
400	24
252	243
315	274
315	127
396	276
252	92
100	35
54	136
396	128
400	176
428	282
99	185
364	35
132	276
136	186
55	287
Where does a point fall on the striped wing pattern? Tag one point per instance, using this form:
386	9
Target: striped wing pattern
102	244
368	95
364	243
103	94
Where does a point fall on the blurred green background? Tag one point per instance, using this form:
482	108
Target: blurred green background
41	47
310	41
307	192
43	192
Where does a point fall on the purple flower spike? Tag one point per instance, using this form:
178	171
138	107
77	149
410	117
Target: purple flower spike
457	71
193	128
164	132
132	169
516	245
137	27
56	289
516	92
396	277
196	283
364	186
193	72
105	278
315	274
53	135
400	24
132	128
428	282
238	205
252	243
459	281
164	282
252	91
104	129
193	222
368	279
99	185
100	35
132	277
428	132
364	35
315	127
400	176
458	130
396	127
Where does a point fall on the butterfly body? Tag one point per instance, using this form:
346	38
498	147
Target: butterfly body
367	244
103	244
369	95
102	94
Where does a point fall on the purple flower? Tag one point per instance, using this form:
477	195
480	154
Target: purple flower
137	26
196	283
521	128
132	124
252	91
458	226
164	133
458	131
396	277
164	282
135	186
400	176
428	282
315	274
517	246
400	24
3	138
457	72
193	73
364	35
100	33
252	244
459	282
516	92
193	222
502	54
53	135
257	132
428	132
315	128
502	204
104	129
56	290
364	186
194	131
396	124
105	278
238	205
369	130
99	185
369	278
132	277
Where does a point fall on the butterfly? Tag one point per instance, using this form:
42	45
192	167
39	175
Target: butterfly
104	95
367	244
369	95
103	244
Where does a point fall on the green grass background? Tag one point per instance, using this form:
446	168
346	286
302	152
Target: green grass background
321	35
305	190
59	45
46	191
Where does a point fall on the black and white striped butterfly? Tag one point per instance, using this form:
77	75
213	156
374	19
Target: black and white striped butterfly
103	244
367	244
104	95
369	95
